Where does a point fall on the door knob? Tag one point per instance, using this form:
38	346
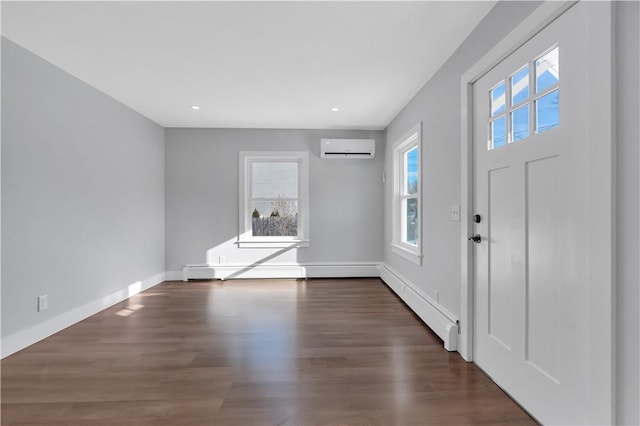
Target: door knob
475	238
477	218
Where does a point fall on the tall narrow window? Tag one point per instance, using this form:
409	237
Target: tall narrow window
273	199
407	205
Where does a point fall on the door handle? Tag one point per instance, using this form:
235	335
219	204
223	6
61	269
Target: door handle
476	238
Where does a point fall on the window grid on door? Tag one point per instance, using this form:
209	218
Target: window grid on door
526	101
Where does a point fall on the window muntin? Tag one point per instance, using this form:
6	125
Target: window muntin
407	190
273	199
516	110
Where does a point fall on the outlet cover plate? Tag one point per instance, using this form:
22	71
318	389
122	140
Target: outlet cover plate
43	303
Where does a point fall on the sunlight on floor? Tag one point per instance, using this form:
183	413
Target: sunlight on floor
131	309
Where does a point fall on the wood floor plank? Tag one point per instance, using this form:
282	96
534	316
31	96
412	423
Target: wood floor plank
255	352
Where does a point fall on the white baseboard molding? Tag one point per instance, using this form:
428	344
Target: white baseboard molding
434	315
22	339
275	270
442	322
173	276
342	270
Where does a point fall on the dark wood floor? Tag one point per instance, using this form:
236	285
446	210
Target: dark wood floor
268	352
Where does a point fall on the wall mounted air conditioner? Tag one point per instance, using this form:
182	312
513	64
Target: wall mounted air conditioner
347	148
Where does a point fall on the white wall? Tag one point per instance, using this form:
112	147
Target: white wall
627	65
82	194
202	198
437	105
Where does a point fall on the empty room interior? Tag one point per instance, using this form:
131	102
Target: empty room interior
320	213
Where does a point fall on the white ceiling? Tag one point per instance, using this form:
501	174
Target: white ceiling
249	64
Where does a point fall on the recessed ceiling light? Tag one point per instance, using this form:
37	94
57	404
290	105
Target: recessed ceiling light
334	109
196	107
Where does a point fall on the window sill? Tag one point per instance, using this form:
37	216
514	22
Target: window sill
272	244
404	252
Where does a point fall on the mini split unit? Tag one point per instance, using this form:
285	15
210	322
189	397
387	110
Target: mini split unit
347	148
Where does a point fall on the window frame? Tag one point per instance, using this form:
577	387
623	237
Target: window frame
245	237
410	140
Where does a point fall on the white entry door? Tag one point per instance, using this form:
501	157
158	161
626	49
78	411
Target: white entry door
531	192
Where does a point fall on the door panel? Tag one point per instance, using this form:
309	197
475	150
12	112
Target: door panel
501	236
543	272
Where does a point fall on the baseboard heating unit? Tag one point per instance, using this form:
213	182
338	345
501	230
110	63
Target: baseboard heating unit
274	270
445	325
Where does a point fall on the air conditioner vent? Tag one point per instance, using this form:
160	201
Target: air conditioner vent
347	148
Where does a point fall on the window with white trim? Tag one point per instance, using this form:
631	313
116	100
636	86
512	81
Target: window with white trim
406	196
274	199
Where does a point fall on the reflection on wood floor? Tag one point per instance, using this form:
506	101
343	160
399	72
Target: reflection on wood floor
258	352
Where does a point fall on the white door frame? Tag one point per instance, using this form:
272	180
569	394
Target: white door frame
601	182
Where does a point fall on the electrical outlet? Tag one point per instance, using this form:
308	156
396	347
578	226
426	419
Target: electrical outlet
43	303
222	260
455	213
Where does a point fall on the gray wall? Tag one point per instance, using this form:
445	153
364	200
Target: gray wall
437	105
201	183
627	64
82	192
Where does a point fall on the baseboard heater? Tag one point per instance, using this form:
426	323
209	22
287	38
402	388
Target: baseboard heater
443	325
198	272
258	271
